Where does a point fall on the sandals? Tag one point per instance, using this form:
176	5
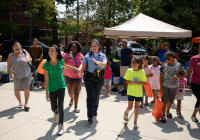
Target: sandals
180	116
169	115
136	127
194	119
26	107
70	103
20	105
145	104
177	111
141	106
77	110
152	102
125	116
163	120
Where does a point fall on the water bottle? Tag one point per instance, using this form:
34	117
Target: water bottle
70	53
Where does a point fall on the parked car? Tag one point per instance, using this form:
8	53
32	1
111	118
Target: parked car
137	49
6	47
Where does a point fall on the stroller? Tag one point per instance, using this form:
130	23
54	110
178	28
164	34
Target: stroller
34	81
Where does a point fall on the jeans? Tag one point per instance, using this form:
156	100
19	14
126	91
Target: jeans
93	87
57	101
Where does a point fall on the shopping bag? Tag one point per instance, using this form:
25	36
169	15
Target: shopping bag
148	89
158	107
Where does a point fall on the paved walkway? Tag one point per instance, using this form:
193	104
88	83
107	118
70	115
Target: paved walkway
36	124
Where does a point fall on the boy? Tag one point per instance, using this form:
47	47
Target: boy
116	70
170	72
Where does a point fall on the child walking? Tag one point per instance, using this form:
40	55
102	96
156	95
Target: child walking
55	85
170	72
107	78
149	73
180	94
155	80
135	78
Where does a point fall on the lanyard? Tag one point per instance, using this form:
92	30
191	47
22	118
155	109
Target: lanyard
35	51
76	64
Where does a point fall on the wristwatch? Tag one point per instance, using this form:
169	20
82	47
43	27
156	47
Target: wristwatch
98	63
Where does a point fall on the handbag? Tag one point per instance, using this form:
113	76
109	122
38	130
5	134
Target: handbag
148	89
158	107
33	68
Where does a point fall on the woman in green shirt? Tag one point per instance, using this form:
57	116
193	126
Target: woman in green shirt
55	85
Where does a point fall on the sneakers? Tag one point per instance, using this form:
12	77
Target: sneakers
107	94
55	117
115	89
60	130
123	91
124	94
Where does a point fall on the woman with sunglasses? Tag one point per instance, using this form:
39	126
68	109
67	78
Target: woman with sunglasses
72	79
135	78
55	85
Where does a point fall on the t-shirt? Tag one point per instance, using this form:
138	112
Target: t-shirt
35	52
125	56
181	86
76	62
161	54
148	71
107	73
115	69
40	70
195	63
56	80
131	75
169	71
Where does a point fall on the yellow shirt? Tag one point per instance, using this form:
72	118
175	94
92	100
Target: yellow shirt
131	75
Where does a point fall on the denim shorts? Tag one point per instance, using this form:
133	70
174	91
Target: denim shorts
132	98
69	80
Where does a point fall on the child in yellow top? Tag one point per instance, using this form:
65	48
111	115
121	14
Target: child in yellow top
135	78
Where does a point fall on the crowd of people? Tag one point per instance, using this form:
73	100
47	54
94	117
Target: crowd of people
67	69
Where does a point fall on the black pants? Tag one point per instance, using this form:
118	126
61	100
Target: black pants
196	92
57	101
93	87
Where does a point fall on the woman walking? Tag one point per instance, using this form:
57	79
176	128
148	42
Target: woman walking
18	60
72	79
93	77
55	85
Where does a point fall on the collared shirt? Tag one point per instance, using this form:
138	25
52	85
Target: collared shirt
125	56
101	57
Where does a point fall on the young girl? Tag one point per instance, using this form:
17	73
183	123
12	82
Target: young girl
155	80
149	73
107	78
135	77
55	85
180	94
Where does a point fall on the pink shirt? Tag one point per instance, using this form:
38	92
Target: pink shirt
107	74
181	86
195	63
71	73
148	71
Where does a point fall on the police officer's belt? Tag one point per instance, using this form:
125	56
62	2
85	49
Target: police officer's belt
92	74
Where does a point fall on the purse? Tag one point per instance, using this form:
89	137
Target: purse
33	68
148	89
158	107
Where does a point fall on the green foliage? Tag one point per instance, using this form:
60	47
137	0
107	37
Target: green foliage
11	27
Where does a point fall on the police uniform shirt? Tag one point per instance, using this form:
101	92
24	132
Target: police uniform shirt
101	57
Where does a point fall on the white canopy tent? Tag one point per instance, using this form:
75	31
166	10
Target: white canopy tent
145	27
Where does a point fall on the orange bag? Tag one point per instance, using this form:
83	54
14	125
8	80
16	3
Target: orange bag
148	89
158	107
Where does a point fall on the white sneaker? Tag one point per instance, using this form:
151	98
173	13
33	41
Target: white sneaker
60	130
55	117
107	94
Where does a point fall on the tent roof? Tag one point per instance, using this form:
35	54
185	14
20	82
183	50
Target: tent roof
145	27
196	40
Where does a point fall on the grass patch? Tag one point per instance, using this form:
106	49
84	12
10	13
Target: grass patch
113	57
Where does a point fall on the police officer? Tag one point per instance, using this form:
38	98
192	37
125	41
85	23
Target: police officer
93	77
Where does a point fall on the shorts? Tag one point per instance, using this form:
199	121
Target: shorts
116	80
18	82
132	98
123	70
179	96
40	77
169	95
106	81
69	80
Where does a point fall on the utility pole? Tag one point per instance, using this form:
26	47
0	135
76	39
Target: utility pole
78	20
87	26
